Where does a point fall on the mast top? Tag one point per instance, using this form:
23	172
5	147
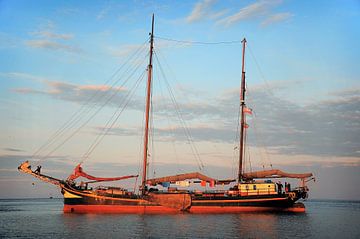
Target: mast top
152	25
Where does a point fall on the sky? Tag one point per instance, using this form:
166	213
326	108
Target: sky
80	66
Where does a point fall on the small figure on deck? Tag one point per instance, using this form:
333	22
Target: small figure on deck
286	187
82	184
37	171
279	186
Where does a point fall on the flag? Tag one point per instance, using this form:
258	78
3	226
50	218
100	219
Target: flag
246	126
247	110
203	183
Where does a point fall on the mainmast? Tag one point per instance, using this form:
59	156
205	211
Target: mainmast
147	110
243	123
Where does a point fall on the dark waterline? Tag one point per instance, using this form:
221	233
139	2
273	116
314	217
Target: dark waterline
43	218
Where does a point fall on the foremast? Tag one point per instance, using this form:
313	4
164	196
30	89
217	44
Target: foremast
147	109
242	106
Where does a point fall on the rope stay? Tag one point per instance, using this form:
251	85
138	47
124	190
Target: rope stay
172	132
180	117
93	101
263	149
85	108
99	99
198	42
86	122
114	118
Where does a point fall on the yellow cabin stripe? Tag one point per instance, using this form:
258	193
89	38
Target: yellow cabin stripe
243	200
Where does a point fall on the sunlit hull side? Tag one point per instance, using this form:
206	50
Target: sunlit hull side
77	201
119	209
125	209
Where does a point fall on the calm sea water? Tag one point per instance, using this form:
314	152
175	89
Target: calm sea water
43	218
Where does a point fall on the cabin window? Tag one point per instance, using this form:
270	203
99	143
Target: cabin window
254	187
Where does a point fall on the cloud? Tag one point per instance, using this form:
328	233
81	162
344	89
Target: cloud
22	76
24	157
259	9
275	18
46	38
13	150
68	11
51	45
254	10
176	133
124	50
103	13
56	166
7	41
96	94
328	127
324	128
49	34
202	10
138	50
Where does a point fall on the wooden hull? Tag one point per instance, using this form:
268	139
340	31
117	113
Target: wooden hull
298	208
121	209
76	201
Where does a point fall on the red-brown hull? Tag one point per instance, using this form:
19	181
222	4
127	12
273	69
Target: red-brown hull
119	209
215	209
77	201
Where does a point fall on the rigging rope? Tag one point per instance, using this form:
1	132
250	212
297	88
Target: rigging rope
182	121
79	114
110	124
151	135
260	71
237	144
264	155
172	133
269	91
93	115
199	42
248	151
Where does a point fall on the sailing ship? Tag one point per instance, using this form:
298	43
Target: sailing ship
250	192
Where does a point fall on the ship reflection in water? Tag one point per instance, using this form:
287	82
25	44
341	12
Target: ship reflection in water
247	225
43	218
257	225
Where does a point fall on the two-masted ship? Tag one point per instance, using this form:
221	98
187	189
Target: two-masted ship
250	192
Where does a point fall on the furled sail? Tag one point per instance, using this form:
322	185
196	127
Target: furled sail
185	176
275	173
180	177
78	172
